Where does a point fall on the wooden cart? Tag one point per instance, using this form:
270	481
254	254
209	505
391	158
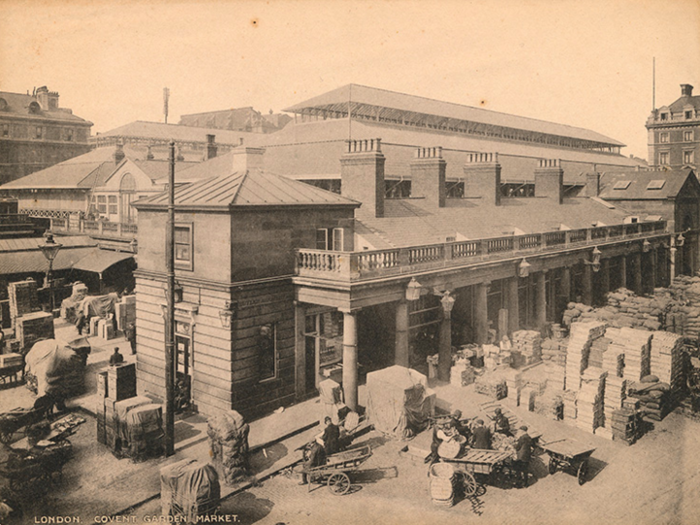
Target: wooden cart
17	419
336	471
38	465
569	455
477	461
11	375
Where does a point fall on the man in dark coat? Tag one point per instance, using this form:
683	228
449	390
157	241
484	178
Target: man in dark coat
501	423
116	358
130	334
315	458
481	436
523	447
330	437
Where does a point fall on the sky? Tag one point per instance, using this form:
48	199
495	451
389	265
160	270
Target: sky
585	63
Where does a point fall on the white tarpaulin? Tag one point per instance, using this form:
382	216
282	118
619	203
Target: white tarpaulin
58	369
399	401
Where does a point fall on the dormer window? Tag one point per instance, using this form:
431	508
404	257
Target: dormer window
656	184
622	184
664	116
34	108
688	114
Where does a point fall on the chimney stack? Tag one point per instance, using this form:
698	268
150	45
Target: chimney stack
483	177
549	180
118	154
428	177
686	90
592	188
245	159
149	153
211	148
362	175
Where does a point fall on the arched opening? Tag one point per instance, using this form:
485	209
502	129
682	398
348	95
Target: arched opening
127	194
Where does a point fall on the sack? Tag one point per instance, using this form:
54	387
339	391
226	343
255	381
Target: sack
650	379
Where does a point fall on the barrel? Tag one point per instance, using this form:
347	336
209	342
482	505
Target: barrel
442	479
452	448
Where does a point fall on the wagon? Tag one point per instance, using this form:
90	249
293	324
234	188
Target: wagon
569	455
335	473
16	419
40	465
477	461
11	374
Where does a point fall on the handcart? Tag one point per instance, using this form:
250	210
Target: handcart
38	465
13	374
569	455
16	419
477	461
335	473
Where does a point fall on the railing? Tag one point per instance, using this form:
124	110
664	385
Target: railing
358	266
73	224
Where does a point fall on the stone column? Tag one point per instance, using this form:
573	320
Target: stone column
401	353
445	351
513	305
299	350
540	301
481	313
653	255
623	271
587	284
566	283
350	359
605	277
637	258
672	263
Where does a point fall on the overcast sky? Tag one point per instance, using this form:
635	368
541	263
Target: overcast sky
585	63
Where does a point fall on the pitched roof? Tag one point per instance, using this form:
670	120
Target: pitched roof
18	104
24	256
159	169
643	185
160	131
408	223
337	100
680	104
253	187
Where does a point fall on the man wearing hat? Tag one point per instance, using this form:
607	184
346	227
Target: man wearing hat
501	423
481	436
456	423
523	448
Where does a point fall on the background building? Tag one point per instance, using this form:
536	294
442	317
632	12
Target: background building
36	133
239	119
674	132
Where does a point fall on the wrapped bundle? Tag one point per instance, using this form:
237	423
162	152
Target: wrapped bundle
228	439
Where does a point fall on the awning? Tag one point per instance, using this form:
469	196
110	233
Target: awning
100	260
34	261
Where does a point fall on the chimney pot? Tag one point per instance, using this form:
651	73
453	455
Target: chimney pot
428	177
686	90
119	153
549	180
362	175
211	147
483	177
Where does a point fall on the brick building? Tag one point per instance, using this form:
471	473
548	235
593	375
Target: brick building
674	132
36	133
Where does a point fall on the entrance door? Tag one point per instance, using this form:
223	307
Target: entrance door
310	364
183	376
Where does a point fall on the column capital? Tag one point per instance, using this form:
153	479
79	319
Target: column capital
350	311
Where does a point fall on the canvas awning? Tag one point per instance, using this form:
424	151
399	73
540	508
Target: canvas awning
100	260
35	262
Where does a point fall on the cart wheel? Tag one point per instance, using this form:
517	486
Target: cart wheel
552	465
5	436
339	483
582	472
469	484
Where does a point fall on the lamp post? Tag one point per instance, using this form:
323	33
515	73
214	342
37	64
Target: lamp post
50	249
170	316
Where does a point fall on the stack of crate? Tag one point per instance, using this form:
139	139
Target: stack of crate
614	356
624	425
23	298
529	344
589	402
116	384
637	344
615	394
666	361
556	377
577	353
570	411
33	327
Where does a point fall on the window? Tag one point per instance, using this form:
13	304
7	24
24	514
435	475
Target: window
321	239
656	184
663	137
102	203
183	247
455	190
688	135
267	352
663	159
664	116
329	239
337	239
39	132
112	200
687	157
688	114
5	130
397	189
69	135
622	184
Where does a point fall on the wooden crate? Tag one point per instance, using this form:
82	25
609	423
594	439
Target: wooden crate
121	381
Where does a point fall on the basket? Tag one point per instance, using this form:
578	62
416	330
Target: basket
442	480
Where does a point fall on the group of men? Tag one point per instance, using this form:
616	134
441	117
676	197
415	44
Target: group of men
479	436
324	444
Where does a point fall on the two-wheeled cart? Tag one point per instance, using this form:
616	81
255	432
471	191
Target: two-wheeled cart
37	465
569	455
490	463
335	473
17	419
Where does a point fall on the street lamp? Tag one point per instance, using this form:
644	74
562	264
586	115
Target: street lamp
50	249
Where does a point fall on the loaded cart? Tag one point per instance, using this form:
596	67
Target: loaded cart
490	463
336	472
37	465
567	454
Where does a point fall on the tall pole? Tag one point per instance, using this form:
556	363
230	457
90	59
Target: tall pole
169	321
653	84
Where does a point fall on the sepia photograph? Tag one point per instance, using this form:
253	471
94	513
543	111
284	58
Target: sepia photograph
353	262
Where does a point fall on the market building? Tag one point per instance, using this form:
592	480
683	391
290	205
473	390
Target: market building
35	133
237	119
291	284
674	132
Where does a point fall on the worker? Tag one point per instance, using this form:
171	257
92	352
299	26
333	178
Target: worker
523	448
116	358
130	334
80	321
329	439
314	458
481	436
2	341
459	427
501	423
